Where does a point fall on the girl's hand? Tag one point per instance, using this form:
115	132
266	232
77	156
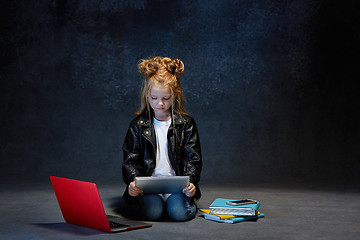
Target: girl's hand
134	190
190	190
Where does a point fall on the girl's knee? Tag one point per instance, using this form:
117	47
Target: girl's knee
180	208
154	207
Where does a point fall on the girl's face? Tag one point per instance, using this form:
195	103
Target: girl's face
160	101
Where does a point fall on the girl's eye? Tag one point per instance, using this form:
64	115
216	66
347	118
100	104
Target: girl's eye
166	99
153	98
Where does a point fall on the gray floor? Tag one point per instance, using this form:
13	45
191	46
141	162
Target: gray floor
33	213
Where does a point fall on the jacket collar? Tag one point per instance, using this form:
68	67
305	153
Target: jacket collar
147	121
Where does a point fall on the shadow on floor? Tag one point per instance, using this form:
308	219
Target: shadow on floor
119	206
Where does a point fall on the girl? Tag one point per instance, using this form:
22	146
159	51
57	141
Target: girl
162	141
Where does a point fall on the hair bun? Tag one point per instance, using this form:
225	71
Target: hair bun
148	67
174	66
179	66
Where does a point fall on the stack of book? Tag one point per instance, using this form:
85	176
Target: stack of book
221	211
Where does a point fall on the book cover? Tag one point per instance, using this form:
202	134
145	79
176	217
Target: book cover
215	216
233	220
219	206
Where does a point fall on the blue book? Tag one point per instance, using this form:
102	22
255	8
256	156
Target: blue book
219	206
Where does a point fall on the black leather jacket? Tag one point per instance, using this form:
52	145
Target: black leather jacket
183	148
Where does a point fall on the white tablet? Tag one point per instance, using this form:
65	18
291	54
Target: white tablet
171	184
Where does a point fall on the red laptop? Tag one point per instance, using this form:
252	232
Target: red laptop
80	204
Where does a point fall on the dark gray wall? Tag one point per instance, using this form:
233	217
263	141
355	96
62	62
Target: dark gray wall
270	84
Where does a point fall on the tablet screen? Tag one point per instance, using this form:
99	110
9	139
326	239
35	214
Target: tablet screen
171	184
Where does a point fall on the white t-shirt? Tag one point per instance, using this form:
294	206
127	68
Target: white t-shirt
163	166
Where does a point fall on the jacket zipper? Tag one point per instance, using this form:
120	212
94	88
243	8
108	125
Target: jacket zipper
182	138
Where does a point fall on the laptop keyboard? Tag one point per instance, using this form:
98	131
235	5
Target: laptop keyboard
117	225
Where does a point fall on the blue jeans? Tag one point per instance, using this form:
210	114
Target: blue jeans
152	207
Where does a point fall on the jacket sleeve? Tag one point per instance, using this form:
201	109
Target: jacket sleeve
131	166
193	161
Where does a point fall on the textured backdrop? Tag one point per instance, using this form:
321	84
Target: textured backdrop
270	84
